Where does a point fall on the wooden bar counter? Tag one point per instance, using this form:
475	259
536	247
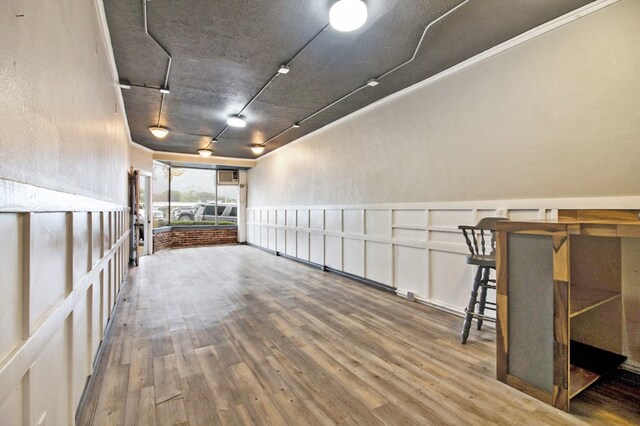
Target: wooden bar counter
559	319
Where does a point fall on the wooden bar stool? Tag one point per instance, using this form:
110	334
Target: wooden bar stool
484	258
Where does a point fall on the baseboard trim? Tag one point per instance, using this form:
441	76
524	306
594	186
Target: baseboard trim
365	281
361	280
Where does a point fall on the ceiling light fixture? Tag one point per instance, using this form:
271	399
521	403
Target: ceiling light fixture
164	91
257	149
206	152
235	121
159	132
283	69
348	15
373	82
295	125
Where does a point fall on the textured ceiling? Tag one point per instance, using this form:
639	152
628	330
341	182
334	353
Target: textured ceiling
224	51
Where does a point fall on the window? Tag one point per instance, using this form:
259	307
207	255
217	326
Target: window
189	197
160	197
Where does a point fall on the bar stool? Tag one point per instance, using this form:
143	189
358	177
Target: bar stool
476	241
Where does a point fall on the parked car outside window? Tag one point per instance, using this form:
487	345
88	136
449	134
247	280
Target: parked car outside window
184	213
227	213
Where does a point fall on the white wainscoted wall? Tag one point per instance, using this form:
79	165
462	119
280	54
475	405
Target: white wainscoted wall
413	248
64	159
417	248
61	274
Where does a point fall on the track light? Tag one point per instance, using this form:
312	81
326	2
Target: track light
236	121
257	149
348	15
283	69
159	132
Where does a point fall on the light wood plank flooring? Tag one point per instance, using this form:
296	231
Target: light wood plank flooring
235	335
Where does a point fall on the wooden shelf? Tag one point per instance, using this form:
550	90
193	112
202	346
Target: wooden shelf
588	364
580	379
584	299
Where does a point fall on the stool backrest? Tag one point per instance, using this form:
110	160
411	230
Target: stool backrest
475	236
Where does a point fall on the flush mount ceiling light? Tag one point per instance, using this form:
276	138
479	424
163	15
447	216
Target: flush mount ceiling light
205	152
348	15
257	149
296	125
283	69
235	121
373	82
159	132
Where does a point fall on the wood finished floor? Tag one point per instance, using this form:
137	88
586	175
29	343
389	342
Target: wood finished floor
235	335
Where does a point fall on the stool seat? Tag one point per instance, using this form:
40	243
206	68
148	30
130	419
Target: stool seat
482	255
482	260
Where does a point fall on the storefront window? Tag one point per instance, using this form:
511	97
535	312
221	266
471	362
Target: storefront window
160	196
192	197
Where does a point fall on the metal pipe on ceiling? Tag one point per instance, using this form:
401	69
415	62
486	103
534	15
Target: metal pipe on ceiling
268	83
392	70
168	55
424	33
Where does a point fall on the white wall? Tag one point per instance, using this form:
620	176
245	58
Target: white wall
140	158
62	127
554	117
63	191
550	123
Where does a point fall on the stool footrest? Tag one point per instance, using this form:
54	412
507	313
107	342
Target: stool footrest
487	304
482	317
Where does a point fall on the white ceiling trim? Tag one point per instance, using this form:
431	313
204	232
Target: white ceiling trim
197	158
106	39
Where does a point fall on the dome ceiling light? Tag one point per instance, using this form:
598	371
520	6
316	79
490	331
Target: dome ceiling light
206	152
159	132
236	121
348	15
257	149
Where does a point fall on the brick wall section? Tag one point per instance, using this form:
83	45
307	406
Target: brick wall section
177	237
